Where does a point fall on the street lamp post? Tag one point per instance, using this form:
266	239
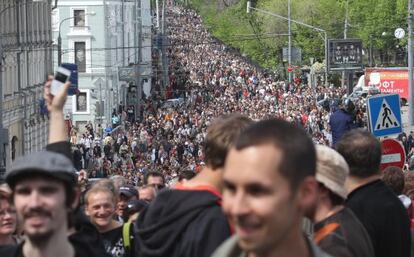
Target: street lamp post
249	7
370	51
410	64
290	43
60	38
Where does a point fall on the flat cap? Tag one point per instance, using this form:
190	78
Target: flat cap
49	164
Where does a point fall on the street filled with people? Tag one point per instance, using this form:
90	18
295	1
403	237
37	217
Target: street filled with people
235	166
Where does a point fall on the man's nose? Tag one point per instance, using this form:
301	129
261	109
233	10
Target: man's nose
8	214
238	204
101	210
34	199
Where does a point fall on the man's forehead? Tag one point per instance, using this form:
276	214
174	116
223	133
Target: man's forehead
257	152
146	190
254	162
99	199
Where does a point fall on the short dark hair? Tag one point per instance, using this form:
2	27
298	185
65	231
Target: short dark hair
393	177
409	184
298	152
334	198
362	152
186	174
221	135
153	174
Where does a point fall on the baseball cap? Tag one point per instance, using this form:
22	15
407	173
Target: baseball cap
331	170
128	191
135	206
45	163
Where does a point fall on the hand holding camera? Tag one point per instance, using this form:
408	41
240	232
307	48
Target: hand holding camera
56	90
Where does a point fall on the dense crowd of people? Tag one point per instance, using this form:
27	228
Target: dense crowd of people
234	169
212	81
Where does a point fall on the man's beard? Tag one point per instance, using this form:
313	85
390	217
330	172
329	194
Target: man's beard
40	239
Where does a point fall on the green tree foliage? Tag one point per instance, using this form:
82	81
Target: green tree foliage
262	37
374	21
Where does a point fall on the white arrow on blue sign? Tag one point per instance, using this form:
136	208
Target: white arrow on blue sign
384	115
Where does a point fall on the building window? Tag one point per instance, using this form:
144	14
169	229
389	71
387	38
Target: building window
80	56
81	102
79	20
13	147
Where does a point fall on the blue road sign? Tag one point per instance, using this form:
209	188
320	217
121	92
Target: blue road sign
384	115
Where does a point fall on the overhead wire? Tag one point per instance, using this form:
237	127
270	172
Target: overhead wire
96	49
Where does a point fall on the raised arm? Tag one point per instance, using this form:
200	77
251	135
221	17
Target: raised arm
57	128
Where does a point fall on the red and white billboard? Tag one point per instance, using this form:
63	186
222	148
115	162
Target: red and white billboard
391	80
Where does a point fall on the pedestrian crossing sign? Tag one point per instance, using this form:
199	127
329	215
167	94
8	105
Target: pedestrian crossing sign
384	115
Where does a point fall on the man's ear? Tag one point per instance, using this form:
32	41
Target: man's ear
308	194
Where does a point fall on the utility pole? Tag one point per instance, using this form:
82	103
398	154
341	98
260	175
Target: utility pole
123	32
370	50
410	64
101	106
164	54
289	44
346	19
59	49
345	36
137	66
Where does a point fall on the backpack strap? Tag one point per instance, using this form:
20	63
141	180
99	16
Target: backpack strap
125	235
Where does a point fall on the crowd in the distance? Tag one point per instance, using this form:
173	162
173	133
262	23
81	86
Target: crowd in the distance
212	81
232	170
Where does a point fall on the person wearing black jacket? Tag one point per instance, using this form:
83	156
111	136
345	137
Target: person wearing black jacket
375	205
188	221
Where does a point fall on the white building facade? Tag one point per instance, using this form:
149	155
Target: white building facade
100	37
